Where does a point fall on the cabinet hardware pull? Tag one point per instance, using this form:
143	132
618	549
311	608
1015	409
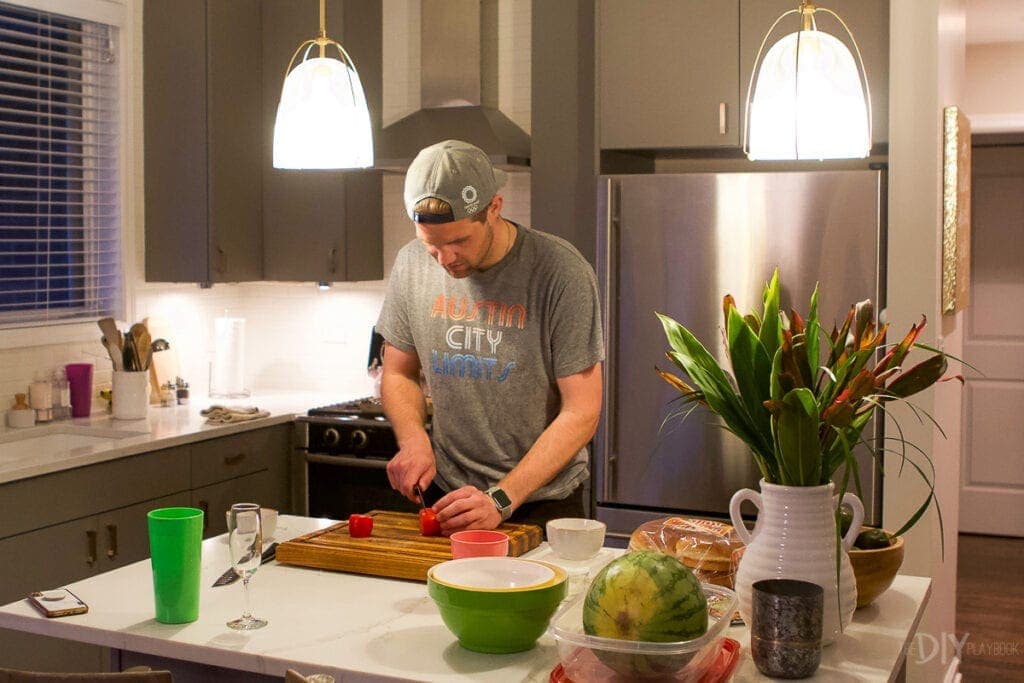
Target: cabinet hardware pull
205	507
91	557
222	261
723	119
234	459
332	260
112	541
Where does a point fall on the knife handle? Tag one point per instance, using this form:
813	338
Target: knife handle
269	553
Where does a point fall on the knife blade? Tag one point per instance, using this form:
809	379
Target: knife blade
230	576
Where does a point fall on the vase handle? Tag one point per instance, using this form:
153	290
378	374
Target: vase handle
857	508
737	519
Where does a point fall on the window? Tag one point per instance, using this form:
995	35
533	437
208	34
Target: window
60	203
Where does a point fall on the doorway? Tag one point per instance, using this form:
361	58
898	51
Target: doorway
992	472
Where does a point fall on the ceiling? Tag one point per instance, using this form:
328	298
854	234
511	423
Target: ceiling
995	21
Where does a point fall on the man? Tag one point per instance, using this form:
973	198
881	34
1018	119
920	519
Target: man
505	324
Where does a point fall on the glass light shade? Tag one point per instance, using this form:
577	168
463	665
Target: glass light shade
322	119
815	110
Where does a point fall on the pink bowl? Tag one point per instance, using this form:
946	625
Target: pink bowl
479	543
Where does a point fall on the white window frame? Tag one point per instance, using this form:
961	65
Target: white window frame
126	15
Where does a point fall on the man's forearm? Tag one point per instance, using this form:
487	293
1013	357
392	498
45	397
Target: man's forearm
556	446
404	406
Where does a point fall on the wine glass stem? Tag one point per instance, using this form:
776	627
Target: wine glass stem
247	612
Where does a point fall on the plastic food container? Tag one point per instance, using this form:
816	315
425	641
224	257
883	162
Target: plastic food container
590	658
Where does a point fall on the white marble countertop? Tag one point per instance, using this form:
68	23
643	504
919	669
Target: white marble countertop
361	628
23	455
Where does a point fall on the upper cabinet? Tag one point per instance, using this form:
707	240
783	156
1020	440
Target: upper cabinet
668	73
216	209
202	130
868	20
320	225
674	74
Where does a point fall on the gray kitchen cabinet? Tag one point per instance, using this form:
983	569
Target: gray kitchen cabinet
216	499
201	90
320	225
246	467
868	20
65	526
668	73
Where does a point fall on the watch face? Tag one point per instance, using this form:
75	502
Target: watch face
501	498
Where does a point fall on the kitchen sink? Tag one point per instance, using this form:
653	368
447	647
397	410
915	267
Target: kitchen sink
54	440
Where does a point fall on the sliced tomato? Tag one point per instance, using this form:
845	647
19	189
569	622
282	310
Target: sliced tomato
429	526
360	526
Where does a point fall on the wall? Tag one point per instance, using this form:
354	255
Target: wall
990	97
927	51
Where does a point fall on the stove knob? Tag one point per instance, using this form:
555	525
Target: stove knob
331	436
359	439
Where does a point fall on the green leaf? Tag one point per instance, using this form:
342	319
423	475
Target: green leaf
715	384
811	341
796	430
771	332
751	369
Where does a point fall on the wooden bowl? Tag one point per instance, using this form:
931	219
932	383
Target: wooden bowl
875	569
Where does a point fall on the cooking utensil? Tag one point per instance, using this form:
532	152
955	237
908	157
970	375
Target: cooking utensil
142	342
159	345
114	351
112	341
230	576
128	350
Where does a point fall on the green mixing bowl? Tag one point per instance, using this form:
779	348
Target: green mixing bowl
496	604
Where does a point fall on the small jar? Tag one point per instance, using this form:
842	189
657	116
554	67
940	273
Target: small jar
182	393
168	395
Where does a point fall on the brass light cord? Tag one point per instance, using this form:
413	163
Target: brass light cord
323	28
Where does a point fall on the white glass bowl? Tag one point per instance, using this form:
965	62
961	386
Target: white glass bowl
575	538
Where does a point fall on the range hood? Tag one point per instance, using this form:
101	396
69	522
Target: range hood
450	86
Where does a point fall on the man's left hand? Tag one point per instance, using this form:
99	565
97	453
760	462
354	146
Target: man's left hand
466	508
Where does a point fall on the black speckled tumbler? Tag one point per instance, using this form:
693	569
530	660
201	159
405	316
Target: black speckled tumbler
785	629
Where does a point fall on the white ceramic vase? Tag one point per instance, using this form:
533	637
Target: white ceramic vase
795	538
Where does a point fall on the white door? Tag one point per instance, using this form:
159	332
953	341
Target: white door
992	479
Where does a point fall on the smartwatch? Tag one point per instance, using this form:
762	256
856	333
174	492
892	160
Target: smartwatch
501	501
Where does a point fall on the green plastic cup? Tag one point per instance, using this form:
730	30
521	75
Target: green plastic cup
175	544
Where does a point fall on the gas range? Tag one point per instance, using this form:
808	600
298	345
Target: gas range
348	446
354	428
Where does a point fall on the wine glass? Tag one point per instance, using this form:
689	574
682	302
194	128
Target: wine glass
245	539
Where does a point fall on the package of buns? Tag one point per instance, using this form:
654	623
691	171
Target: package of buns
711	549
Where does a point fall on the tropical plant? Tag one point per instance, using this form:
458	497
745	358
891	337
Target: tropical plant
800	398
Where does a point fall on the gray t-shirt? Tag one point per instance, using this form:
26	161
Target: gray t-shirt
491	346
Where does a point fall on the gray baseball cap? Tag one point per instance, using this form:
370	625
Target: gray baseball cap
456	172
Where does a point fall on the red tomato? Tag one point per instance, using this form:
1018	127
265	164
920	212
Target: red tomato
360	526
429	526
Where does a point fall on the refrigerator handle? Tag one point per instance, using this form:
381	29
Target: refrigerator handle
611	221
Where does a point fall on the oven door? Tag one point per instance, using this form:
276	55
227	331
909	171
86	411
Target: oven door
341	485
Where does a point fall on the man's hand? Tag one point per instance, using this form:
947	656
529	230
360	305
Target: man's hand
413	465
466	508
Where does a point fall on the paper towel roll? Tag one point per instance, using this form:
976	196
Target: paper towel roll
227	371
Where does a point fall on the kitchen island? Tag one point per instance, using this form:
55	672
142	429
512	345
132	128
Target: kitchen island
361	628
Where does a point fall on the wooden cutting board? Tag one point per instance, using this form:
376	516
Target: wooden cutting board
395	549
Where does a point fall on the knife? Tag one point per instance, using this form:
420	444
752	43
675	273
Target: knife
230	576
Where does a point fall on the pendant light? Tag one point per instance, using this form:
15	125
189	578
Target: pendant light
810	99
322	118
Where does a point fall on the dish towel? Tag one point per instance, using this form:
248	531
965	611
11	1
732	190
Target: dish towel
225	415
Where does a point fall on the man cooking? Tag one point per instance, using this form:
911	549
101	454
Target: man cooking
505	325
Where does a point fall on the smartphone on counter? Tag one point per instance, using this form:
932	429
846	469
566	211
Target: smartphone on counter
59	602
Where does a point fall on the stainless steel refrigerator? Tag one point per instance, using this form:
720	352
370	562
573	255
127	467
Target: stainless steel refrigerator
676	244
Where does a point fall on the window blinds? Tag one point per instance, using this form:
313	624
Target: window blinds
60	203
